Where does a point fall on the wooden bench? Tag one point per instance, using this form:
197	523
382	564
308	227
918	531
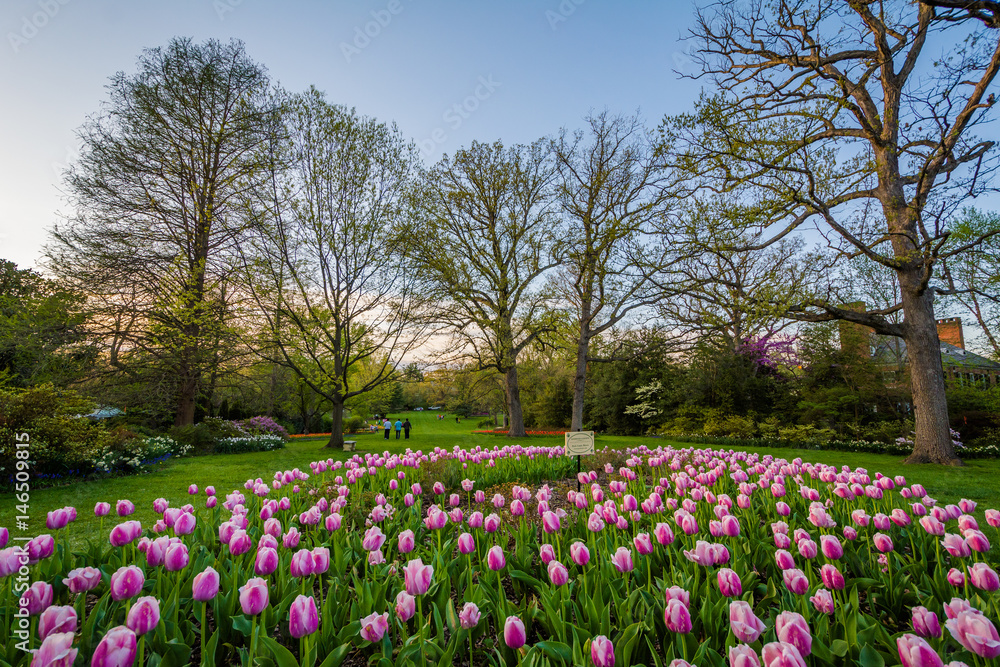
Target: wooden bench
350	445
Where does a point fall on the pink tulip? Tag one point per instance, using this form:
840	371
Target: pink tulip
993	518
729	583
622	560
514	634
983	577
740	655
290	540
124	507
602	652
374	626
205	585
375	558
82	579
56	620
677	593
975	632
956	577
831	546
781	507
925	622
579	553
126	583
956	546
808	549
595	523
784	560
792	628
702	554
253	596
144	615
240	543
495	559
468	618
266	561
491	524
781	654
850	533
117	649
333	522
406	606
417	577
745	625
914	651
56	651
957	606
373	539
175	558
547	553
882	542
677	617
558	574
832	577
977	541
664	535
932	526
466	544
303	619
102	509
643	544
550	522
823	601
185	524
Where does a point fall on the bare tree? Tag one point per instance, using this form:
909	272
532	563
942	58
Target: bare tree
836	116
613	192
333	286
483	238
974	276
156	222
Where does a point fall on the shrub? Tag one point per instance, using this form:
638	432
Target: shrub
264	442
355	424
262	425
63	442
136	455
486	423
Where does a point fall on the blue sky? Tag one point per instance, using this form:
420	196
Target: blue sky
536	66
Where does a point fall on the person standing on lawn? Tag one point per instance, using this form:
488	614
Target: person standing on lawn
399	427
387	425
406	429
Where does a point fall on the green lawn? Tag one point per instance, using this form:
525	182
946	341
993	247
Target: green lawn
977	481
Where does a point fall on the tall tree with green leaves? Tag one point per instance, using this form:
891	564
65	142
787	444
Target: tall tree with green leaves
846	117
156	221
615	194
41	330
336	295
483	238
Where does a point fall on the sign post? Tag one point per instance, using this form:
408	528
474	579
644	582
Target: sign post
578	443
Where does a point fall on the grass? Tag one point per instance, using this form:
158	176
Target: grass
170	480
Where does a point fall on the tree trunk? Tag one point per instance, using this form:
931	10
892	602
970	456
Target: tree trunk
514	404
187	394
932	443
580	380
336	440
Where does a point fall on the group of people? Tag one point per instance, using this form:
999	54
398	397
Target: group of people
405	427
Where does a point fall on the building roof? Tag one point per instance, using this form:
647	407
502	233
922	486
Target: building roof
888	350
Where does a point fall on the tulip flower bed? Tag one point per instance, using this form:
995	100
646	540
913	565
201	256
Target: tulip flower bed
664	557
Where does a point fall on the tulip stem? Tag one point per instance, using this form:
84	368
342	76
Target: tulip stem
142	650
253	639
420	628
204	606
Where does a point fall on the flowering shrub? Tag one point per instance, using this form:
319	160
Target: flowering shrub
674	557
264	442
139	454
901	447
262	425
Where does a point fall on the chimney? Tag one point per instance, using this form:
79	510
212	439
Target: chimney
950	331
